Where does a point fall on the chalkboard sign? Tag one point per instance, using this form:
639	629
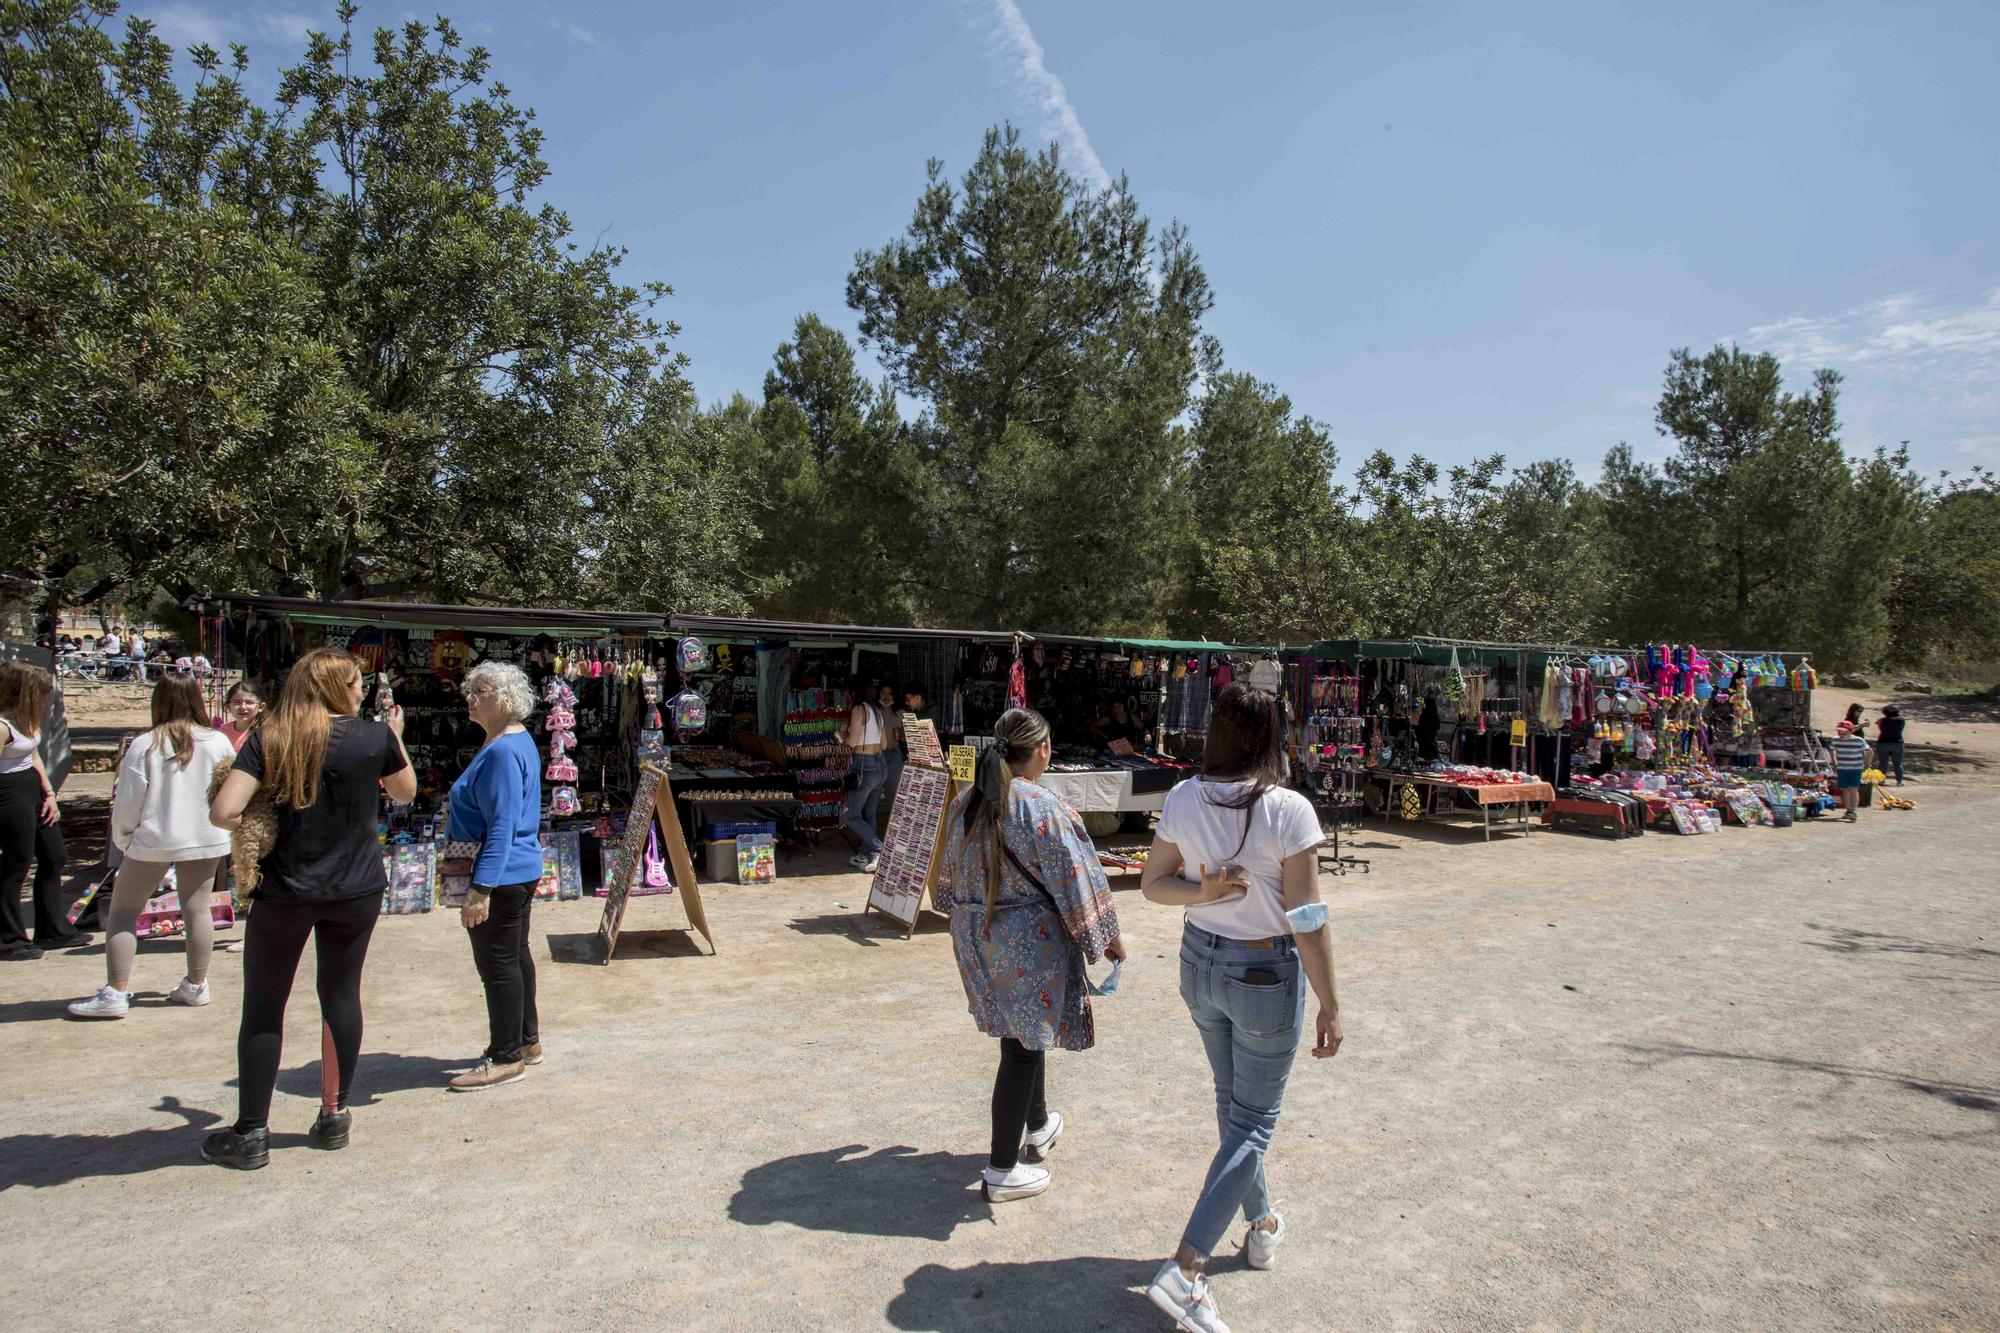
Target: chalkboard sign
908	866
654	799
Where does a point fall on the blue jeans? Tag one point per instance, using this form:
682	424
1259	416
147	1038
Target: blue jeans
1251	1030
870	772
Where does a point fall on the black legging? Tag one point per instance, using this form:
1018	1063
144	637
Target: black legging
506	963
1018	1104
25	840
272	946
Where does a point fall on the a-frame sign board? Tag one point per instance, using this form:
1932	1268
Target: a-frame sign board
906	874
653	800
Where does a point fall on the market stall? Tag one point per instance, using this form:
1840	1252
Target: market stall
596	673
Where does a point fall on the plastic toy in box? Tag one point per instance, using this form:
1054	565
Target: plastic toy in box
756	858
162	914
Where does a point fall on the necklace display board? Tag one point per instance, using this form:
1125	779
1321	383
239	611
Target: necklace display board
652	801
907	870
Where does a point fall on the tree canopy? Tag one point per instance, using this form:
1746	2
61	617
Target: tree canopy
335	344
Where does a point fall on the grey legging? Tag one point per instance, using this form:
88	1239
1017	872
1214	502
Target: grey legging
137	882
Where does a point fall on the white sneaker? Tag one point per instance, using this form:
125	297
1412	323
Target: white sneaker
859	860
1035	1147
868	866
1190	1303
1260	1247
107	1003
190	994
1023	1182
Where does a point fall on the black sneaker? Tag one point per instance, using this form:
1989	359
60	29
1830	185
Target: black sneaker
330	1131
76	941
247	1151
19	953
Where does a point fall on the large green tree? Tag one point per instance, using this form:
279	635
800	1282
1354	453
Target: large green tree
1945	603
171	405
1053	339
1270	533
333	346
1756	531
839	487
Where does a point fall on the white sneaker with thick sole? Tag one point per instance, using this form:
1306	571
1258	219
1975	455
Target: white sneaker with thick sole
868	866
1036	1147
1260	1247
1189	1303
107	1003
190	993
1023	1182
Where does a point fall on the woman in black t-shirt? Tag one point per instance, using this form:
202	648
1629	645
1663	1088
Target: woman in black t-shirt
1889	742
322	878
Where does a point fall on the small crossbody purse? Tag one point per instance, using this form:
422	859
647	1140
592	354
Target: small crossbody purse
455	871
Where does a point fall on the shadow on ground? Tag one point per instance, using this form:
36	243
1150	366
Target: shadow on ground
1081	1293
889	1192
375	1075
41	1160
1845	939
867	929
1965	1096
672	942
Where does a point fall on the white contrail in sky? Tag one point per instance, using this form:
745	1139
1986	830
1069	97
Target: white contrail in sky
1058	117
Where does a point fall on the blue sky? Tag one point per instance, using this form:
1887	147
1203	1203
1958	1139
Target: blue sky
1446	229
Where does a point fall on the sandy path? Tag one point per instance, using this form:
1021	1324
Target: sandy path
1749	1081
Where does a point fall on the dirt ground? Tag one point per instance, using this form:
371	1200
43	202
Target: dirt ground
1748	1081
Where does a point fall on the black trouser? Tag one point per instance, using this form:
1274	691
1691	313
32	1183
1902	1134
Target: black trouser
1018	1104
272	946
506	963
1889	758
24	841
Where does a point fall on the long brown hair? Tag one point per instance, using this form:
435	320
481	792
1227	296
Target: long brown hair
295	732
1246	743
177	711
1016	736
24	695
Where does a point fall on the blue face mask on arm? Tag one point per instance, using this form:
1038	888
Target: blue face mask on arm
1307	918
1110	986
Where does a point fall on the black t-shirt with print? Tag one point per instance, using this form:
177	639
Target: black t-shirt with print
328	851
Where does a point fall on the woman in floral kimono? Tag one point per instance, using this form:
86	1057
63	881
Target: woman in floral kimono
1029	906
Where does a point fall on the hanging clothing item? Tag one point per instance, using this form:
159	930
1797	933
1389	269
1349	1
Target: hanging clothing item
1551	712
1188	700
1017	684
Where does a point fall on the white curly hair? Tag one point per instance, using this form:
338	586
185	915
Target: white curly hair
509	685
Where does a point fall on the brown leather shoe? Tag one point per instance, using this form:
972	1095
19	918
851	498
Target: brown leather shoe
486	1075
531	1054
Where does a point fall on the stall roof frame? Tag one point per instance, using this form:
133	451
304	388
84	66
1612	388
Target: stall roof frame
524	620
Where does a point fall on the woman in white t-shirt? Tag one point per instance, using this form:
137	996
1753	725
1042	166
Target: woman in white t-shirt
1255	937
159	819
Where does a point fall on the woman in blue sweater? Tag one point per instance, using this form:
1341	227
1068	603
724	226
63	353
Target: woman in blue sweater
497	803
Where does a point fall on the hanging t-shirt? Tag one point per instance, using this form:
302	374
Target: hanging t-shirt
1264	675
1281	824
328	851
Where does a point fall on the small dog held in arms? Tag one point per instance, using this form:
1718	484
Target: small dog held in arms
253	839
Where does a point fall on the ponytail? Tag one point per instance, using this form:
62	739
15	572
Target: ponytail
1016	736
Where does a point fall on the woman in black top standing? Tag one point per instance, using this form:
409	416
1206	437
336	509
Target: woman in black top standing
1889	742
322	878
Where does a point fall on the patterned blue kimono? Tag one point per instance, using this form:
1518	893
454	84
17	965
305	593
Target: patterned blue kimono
1022	964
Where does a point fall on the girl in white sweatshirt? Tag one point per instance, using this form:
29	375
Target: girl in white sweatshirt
159	818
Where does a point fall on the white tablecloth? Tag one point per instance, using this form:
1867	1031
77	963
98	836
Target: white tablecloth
1110	789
